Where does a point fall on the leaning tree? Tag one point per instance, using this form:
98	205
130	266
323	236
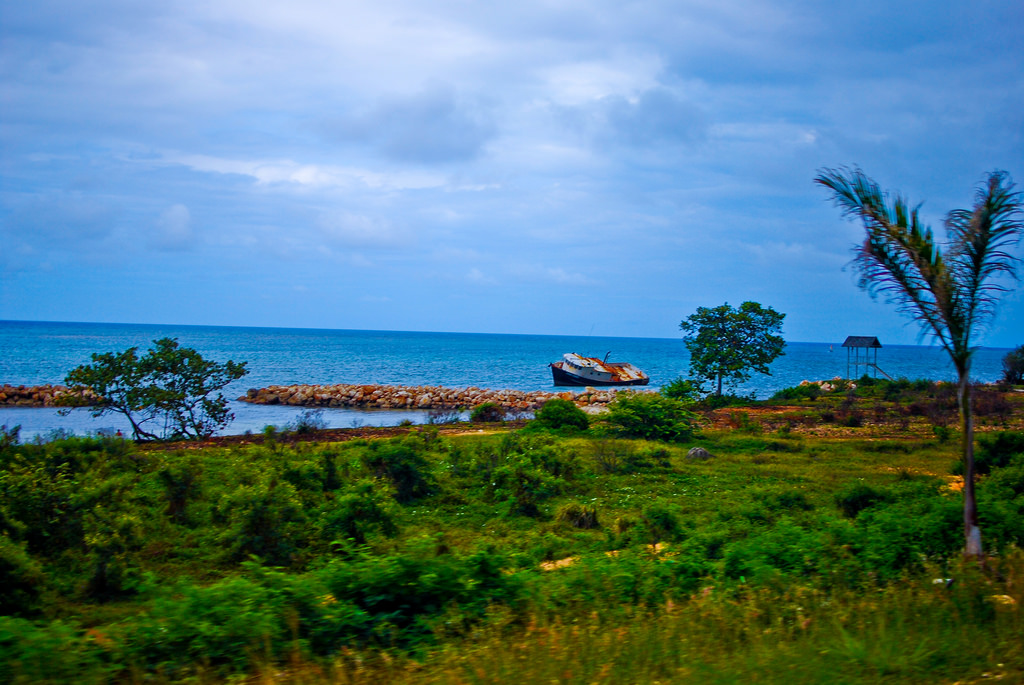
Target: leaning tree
950	290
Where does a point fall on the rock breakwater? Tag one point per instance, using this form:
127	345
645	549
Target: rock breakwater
43	395
417	397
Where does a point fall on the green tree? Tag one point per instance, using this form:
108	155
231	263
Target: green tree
164	394
726	344
950	290
1013	366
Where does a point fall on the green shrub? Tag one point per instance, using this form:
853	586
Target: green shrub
918	525
400	592
579	515
228	625
660	521
488	412
559	414
51	653
651	417
265	518
401	464
359	512
523	486
1013	366
994	451
811	391
683	390
1001	505
21	579
857	497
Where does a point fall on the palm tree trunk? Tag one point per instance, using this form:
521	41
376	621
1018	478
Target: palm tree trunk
972	532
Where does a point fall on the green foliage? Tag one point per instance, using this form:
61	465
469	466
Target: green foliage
401	464
682	389
163	394
56	652
579	516
1001	498
1013	366
994	451
660	521
856	497
362	511
488	412
559	414
726	344
811	391
951	290
346	568
21	579
650	416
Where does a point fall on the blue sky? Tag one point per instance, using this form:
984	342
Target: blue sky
533	167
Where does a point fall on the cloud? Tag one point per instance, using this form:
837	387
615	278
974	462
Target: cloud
347	229
657	116
536	273
289	173
57	222
174	230
433	126
477	277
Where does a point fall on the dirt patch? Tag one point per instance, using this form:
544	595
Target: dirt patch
337	435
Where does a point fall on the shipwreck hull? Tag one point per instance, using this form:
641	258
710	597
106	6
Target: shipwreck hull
563	377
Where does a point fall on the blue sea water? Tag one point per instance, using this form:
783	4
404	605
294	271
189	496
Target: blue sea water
33	353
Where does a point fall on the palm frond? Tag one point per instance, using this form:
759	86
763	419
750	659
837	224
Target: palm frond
979	242
899	257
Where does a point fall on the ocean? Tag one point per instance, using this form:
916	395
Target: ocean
34	353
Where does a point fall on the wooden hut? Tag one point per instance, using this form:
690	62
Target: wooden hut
854	360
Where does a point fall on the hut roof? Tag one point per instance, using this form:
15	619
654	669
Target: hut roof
862	341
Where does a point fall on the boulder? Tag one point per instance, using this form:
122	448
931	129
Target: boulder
700	453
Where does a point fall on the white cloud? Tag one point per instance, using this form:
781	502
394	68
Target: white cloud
477	277
347	229
173	230
283	172
536	273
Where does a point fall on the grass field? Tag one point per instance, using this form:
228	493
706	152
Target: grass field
810	547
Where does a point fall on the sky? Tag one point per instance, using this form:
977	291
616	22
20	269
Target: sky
538	167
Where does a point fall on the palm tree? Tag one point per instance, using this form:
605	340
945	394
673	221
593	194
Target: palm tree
951	291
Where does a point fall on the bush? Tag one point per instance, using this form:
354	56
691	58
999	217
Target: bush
811	391
403	466
994	451
579	516
1001	505
21	579
358	513
650	417
51	653
1013	367
309	421
857	497
488	412
660	521
559	414
683	390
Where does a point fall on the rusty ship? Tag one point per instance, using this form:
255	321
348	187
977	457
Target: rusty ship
575	369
